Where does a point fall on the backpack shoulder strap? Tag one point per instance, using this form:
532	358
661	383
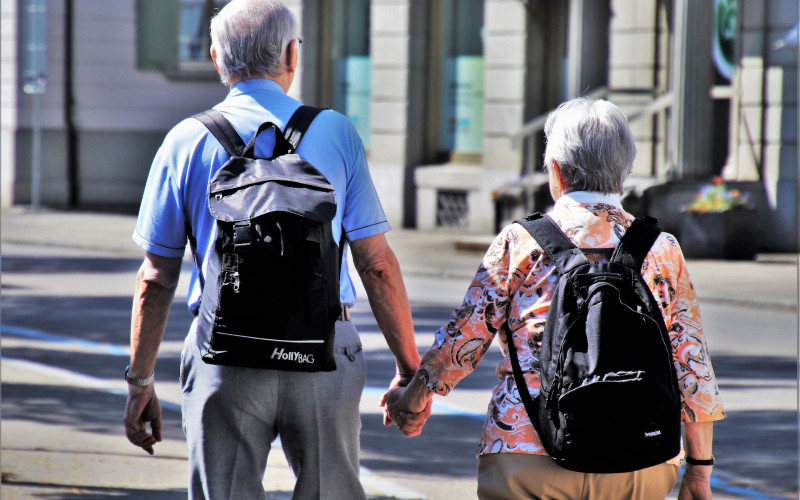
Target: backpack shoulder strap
636	242
221	128
299	122
553	241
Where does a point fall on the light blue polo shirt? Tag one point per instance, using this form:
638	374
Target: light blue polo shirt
175	196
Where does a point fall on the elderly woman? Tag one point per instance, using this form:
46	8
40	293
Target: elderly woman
589	153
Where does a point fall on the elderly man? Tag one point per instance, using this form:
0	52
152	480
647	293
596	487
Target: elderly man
231	415
589	153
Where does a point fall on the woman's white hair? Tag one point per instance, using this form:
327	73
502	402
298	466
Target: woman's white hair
592	144
251	37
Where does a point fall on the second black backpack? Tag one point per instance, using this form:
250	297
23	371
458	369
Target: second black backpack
271	293
609	399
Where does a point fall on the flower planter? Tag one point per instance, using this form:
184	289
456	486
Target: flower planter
732	234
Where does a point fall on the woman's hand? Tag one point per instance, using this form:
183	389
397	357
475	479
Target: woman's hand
407	407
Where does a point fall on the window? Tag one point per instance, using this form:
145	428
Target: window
193	38
337	36
172	37
455	81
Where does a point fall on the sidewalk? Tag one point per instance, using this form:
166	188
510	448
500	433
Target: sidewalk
762	284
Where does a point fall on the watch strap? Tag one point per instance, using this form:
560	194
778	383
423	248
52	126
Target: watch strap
694	461
138	382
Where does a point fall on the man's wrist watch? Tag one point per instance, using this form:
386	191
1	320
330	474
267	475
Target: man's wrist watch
138	382
694	461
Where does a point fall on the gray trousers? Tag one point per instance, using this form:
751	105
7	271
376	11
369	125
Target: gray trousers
232	415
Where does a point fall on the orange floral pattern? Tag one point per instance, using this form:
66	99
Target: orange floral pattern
511	294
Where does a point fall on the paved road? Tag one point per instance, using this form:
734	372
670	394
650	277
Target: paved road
66	283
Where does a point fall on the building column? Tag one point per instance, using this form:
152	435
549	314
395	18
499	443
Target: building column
692	82
392	74
504	42
8	104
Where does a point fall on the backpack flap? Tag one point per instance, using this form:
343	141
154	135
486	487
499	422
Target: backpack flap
247	188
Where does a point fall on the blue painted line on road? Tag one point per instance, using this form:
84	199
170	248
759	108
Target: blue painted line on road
438	405
112	349
722	485
117	350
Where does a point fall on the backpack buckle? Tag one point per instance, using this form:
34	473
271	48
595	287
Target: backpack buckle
242	237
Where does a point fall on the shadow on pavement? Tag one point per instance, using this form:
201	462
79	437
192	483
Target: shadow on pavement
95	319
86	410
759	449
38	265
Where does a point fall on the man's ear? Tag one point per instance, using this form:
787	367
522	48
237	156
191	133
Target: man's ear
292	53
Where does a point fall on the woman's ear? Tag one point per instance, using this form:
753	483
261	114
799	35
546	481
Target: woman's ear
557	181
213	52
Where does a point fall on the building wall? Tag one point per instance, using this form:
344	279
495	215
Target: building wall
8	100
121	113
504	51
636	74
764	118
392	147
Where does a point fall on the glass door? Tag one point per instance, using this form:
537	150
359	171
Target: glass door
456	64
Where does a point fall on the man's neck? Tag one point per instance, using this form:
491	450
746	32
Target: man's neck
280	80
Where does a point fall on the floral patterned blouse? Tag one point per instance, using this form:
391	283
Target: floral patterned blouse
510	296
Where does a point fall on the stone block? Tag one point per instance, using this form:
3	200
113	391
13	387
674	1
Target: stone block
501	155
632	49
389	18
389	83
504	84
387	147
505	50
451	176
781	124
751	72
388	180
388	116
632	14
642	163
389	51
750	120
505	16
503	119
630	78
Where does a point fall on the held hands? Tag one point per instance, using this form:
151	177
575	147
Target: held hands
142	407
407	404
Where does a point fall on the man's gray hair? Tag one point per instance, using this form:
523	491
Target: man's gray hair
592	143
251	37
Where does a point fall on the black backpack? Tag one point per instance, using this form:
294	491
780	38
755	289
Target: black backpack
271	292
609	399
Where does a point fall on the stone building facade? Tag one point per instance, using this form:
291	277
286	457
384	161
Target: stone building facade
449	96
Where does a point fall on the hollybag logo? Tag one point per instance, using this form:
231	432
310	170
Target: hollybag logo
294	356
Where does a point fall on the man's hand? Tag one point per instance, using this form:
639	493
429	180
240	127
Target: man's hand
409	418
143	407
408	407
696	483
399	380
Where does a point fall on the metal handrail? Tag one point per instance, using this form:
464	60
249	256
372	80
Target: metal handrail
537	124
657	105
522	188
